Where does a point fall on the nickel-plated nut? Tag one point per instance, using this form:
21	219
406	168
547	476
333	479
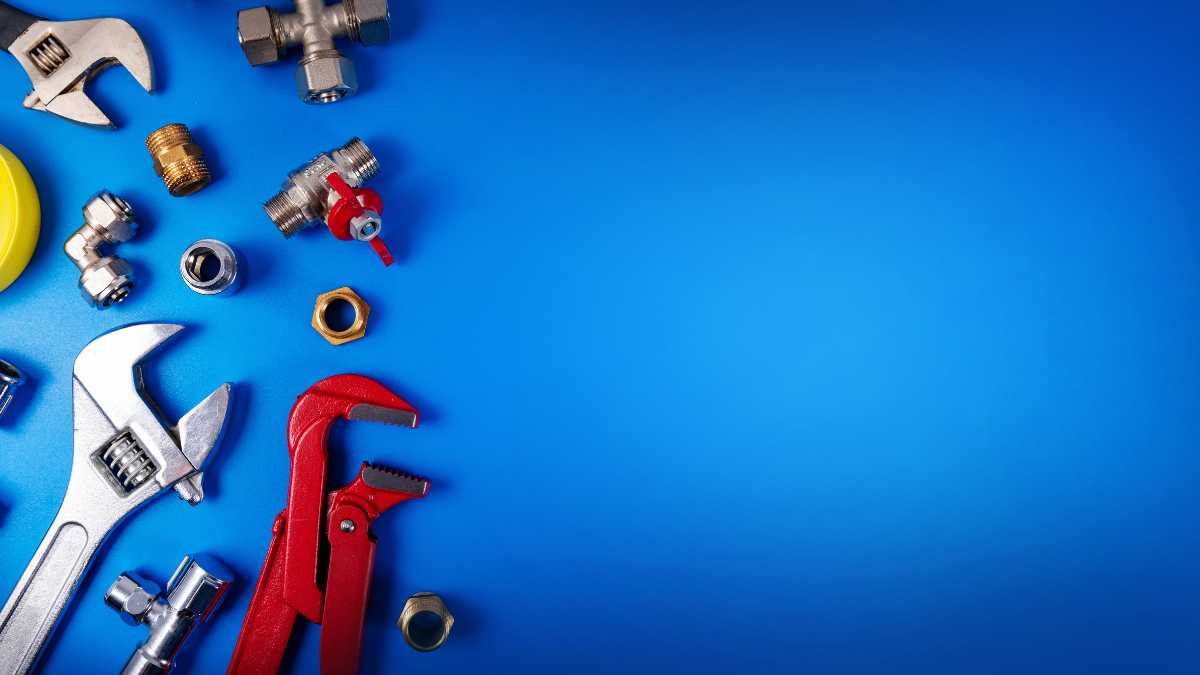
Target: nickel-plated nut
356	330
373	20
132	597
326	77
111	216
210	267
425	622
256	34
106	282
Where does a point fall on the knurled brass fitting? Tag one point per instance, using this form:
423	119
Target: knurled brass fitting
177	160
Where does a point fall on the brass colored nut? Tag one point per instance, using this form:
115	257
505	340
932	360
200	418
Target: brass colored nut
425	622
178	161
357	329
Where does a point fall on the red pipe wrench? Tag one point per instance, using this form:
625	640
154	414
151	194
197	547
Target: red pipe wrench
290	581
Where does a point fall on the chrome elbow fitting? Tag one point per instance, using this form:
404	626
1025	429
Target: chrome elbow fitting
104	280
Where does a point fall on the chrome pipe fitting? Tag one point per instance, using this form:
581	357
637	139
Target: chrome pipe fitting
104	280
307	197
210	267
324	74
425	622
193	594
11	377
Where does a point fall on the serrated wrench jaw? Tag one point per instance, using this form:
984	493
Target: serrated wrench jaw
61	57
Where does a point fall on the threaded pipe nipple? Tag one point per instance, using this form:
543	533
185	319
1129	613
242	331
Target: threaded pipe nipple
178	160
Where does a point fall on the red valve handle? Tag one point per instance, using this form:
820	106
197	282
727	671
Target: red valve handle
354	202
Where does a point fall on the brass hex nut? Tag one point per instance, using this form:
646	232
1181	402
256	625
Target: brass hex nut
425	622
357	329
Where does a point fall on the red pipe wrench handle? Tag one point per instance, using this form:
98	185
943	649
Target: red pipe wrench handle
269	621
351	561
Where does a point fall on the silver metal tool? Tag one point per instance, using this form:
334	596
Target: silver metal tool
61	57
193	593
11	377
123	456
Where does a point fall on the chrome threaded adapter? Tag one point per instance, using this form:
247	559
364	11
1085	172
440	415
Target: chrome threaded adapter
178	160
11	377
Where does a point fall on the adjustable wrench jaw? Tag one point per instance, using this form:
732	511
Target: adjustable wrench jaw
61	57
123	457
110	394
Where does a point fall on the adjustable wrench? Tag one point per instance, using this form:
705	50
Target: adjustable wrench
61	57
123	456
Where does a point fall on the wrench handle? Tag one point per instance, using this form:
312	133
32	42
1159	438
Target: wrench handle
13	22
33	609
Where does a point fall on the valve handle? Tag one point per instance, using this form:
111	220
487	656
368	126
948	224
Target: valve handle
354	202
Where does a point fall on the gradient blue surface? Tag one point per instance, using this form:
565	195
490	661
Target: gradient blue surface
779	337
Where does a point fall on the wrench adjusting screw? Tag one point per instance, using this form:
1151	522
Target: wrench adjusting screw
178	160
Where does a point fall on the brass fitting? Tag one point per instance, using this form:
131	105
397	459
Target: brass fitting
425	622
177	160
357	329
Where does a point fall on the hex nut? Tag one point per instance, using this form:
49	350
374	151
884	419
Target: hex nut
326	79
110	215
424	603
374	22
256	34
357	329
107	282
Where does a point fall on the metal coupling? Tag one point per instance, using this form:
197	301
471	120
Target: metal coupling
425	622
210	267
178	161
193	594
11	377
328	189
324	74
104	280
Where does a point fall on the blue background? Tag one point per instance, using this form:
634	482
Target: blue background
838	337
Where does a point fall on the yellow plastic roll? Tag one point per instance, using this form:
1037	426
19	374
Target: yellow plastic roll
20	217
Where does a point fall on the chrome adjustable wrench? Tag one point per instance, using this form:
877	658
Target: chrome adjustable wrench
123	456
61	57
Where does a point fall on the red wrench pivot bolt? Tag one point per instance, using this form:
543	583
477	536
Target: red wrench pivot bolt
311	529
357	215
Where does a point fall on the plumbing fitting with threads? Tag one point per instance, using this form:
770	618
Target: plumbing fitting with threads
194	592
104	280
327	190
324	75
11	377
178	160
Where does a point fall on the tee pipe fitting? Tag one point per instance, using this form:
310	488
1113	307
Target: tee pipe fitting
324	74
193	593
104	280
